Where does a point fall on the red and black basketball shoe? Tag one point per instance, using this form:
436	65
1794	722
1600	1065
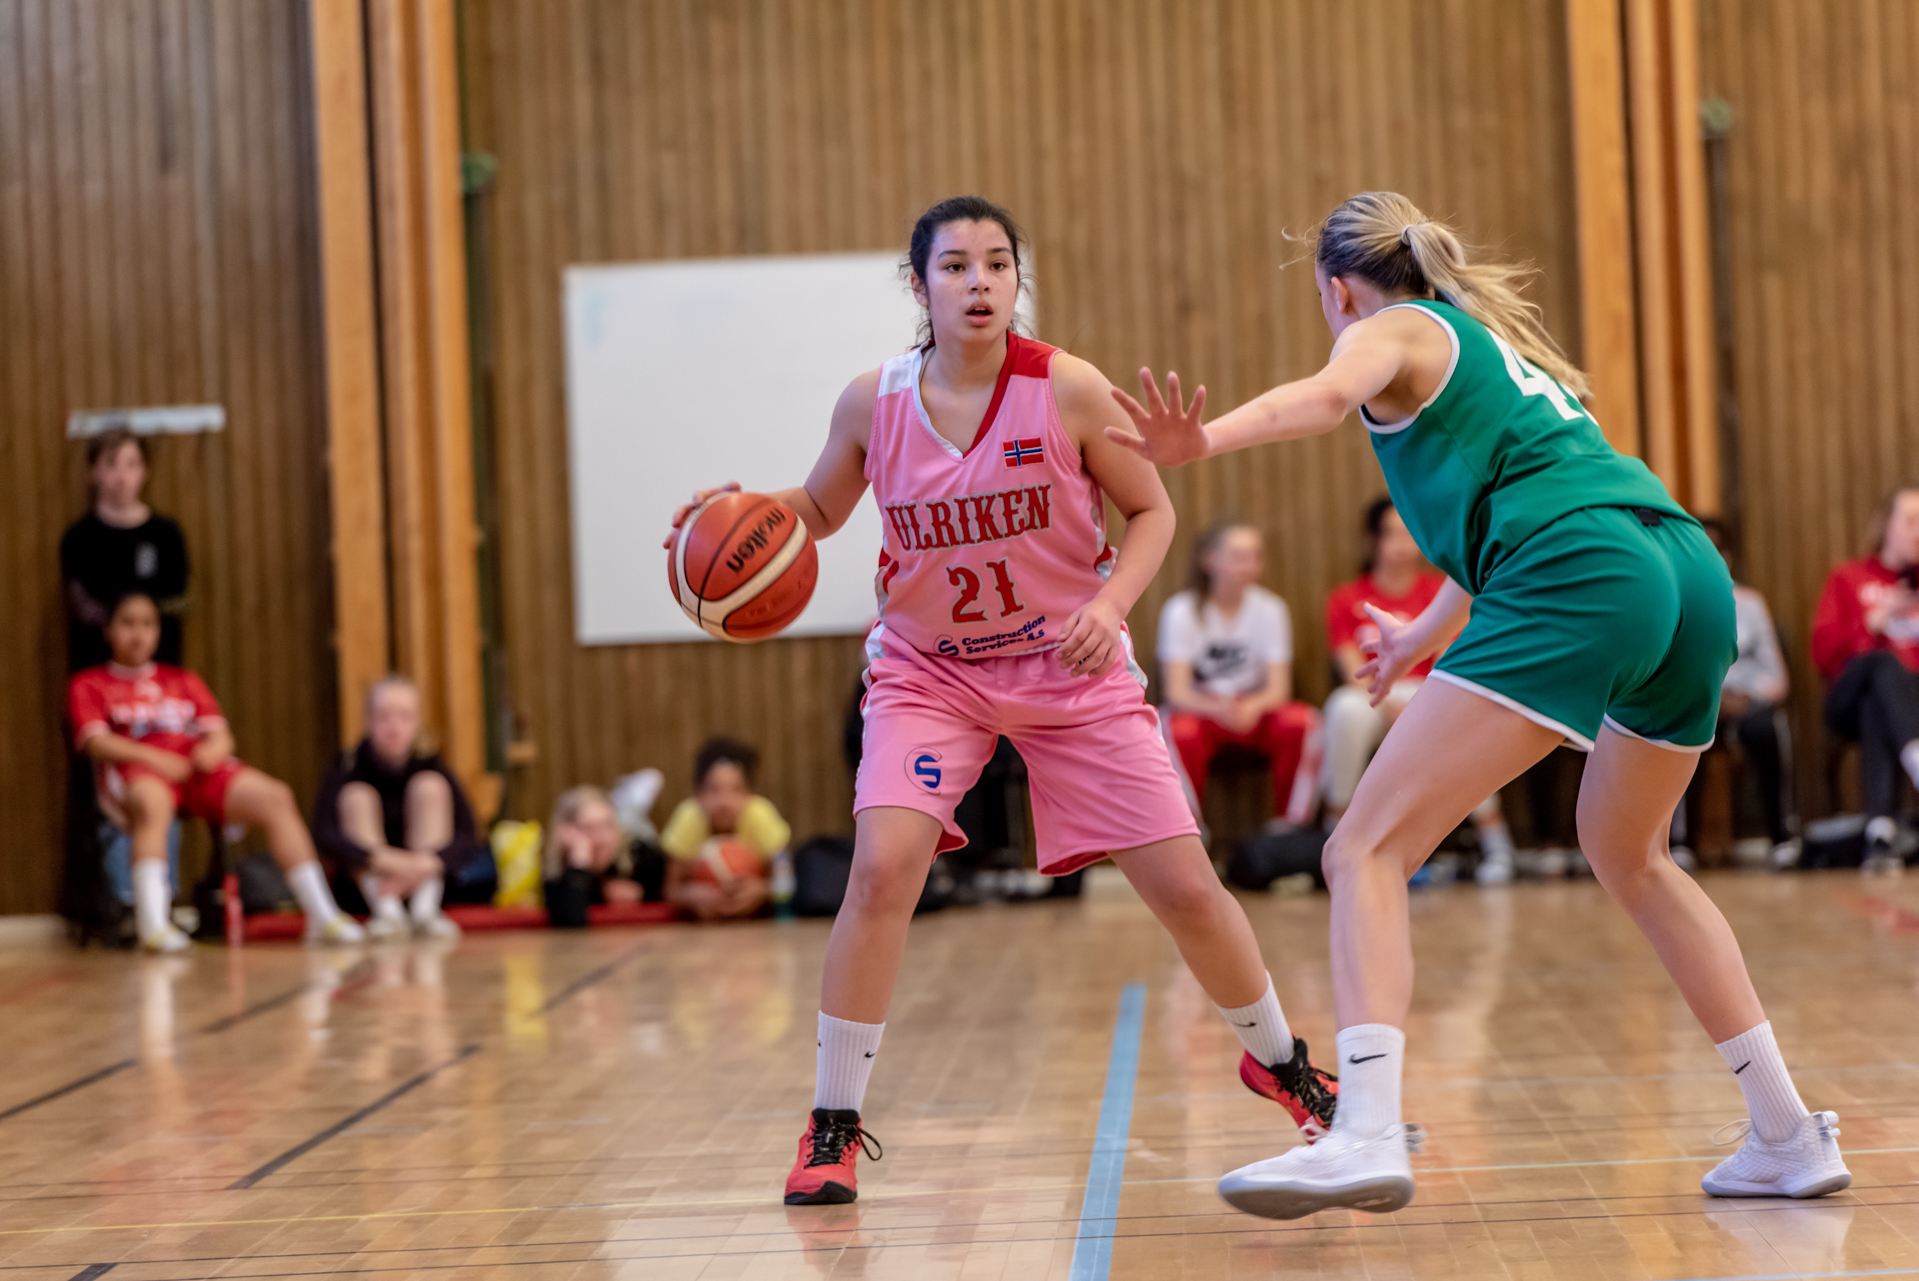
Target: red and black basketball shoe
826	1172
1309	1093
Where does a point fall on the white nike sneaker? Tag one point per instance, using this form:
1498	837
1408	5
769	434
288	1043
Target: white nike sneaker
437	926
1806	1165
388	929
1373	1174
167	941
341	930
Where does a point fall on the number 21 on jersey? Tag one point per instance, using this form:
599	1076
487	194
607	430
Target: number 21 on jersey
967	609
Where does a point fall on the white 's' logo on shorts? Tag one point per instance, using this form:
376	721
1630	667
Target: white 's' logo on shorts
923	769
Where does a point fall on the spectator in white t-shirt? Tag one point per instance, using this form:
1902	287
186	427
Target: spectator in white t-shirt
1226	657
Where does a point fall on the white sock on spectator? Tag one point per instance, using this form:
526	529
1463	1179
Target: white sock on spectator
1496	842
1754	1059
1262	1029
845	1062
385	907
1909	757
308	884
425	903
152	896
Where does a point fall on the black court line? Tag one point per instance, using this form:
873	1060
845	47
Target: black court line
589	978
100	1075
218	1025
294	1153
93	1270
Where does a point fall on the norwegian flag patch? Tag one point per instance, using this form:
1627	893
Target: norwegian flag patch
1023	453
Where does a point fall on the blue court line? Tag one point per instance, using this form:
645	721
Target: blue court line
1099	1213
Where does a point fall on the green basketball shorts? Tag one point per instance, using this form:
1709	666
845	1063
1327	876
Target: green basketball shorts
1602	618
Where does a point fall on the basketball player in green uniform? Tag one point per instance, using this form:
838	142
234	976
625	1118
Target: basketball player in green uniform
1595	611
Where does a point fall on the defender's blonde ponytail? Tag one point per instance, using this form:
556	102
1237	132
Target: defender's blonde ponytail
1383	238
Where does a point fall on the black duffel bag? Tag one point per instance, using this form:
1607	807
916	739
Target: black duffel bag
823	866
1260	860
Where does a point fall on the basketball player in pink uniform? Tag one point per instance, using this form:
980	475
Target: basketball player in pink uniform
1002	612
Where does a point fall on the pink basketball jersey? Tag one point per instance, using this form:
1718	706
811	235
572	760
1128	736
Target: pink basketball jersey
987	552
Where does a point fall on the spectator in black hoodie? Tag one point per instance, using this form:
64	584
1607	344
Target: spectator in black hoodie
395	818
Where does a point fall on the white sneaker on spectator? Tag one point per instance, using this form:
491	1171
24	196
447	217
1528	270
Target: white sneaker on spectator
437	926
166	941
340	930
1786	854
387	929
1683	856
1806	1165
1494	871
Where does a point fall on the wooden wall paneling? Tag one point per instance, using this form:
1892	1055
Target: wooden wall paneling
1646	83
154	248
357	488
1157	153
1823	176
1693	264
1608	322
433	538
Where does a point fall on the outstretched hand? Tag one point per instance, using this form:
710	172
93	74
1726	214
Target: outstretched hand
1168	433
1389	657
681	512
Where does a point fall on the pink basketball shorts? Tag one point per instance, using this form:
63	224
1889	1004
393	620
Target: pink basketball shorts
1095	761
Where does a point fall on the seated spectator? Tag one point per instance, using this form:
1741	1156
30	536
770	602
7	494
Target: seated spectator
1226	658
722	839
588	859
394	818
161	747
121	546
1395	579
1750	702
1865	642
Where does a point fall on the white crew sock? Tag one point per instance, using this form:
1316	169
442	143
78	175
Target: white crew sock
425	903
385	907
1371	1057
1262	1029
1496	842
152	896
1909	757
845	1062
308	884
1754	1059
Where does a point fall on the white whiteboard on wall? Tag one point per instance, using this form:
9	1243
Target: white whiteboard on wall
682	375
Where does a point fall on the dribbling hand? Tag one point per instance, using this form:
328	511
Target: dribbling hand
1168	432
683	511
1090	645
1389	657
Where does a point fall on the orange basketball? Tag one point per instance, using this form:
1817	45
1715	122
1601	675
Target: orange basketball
743	566
723	860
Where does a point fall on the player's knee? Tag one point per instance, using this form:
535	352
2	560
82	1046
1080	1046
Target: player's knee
1345	855
886	886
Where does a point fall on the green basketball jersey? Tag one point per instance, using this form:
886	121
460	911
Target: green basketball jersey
1501	450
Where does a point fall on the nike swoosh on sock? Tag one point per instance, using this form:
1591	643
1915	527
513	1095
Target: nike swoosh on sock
1742	1067
1368	1058
1254	1023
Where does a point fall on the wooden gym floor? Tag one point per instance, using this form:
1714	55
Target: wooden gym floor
625	1104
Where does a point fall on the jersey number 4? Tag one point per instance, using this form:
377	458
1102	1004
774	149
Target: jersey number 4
1534	381
968	583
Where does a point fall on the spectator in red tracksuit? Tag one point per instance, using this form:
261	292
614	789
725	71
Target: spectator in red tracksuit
1226	656
1865	641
